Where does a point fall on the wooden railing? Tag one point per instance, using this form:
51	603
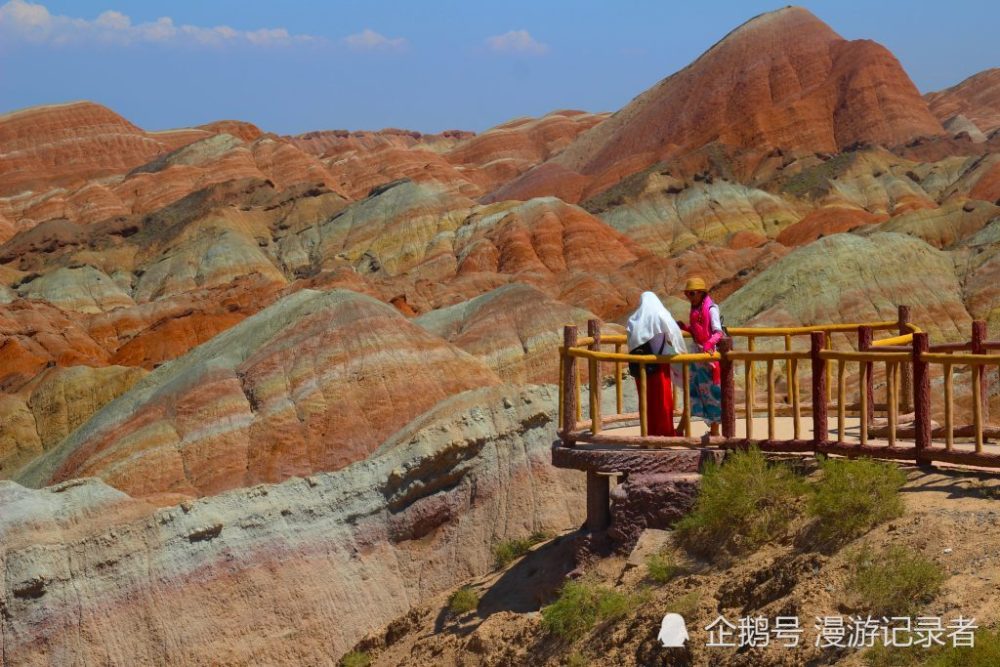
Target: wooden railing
906	362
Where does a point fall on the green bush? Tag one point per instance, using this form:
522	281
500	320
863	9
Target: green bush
985	652
853	496
575	659
894	582
686	605
463	600
661	569
507	551
580	605
355	659
742	504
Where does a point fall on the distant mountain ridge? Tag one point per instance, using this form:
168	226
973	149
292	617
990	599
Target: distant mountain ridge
781	80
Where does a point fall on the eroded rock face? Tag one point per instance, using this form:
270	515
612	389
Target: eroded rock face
978	260
824	222
52	406
977	98
312	383
861	279
945	226
309	564
513	329
668	220
460	162
63	144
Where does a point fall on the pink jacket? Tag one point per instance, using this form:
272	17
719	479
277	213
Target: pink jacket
701	326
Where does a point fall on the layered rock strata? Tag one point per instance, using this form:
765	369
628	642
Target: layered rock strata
290	573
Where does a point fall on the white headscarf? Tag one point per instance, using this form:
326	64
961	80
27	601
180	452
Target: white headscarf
650	319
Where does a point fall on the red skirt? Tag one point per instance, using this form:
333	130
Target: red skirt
659	401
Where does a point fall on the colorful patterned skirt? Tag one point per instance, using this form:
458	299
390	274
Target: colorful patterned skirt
706	392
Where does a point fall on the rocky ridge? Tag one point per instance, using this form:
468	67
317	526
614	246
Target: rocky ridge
94	575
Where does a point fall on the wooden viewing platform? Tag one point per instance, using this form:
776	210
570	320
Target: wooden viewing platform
798	368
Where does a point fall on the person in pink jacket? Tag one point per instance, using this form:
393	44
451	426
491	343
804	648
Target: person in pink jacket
705	327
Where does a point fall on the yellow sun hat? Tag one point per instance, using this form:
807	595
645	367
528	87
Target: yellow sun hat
695	284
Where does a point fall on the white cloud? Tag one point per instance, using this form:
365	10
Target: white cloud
516	41
28	21
111	20
369	40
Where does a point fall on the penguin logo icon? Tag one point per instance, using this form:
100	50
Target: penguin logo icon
673	631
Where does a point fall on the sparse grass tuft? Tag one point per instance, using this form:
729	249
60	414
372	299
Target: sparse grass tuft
507	551
356	659
580	605
661	569
894	582
575	659
742	504
540	536
465	599
686	605
815	181
985	652
853	496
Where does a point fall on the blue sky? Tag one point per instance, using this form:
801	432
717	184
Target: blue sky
306	65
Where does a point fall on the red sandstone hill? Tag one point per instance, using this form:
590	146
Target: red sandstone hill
781	80
466	163
64	144
977	98
84	163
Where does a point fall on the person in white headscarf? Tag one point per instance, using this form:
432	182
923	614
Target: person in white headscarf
653	330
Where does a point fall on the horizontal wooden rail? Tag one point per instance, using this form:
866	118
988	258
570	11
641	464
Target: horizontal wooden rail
968	359
950	347
765	332
868	357
805	330
895	340
700	357
779	355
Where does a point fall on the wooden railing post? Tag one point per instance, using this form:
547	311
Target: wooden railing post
921	397
724	347
979	347
594	368
817	340
569	386
906	397
619	401
865	337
